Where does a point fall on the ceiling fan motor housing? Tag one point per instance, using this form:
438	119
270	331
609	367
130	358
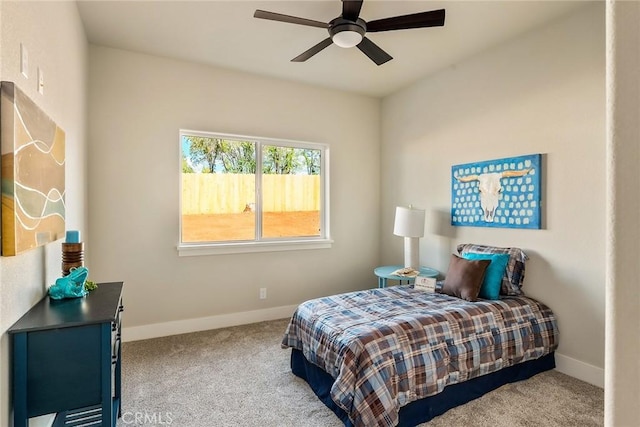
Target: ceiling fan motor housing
341	25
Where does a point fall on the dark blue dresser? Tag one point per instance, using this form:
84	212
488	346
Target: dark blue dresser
67	359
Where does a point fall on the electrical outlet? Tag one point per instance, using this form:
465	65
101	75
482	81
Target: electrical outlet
24	61
40	81
263	293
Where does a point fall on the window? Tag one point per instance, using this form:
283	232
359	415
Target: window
248	194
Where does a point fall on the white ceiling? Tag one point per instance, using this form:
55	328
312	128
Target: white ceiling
225	34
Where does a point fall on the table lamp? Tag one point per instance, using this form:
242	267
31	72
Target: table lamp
409	223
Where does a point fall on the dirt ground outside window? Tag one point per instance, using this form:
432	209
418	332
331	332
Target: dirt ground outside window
241	226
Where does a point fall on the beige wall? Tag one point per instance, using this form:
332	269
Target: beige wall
622	383
54	37
137	105
541	93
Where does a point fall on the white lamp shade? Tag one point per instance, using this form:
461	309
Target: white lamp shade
409	222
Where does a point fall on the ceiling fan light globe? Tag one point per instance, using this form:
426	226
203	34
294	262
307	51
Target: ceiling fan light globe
347	39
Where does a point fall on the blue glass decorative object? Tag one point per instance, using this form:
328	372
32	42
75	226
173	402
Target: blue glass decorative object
70	286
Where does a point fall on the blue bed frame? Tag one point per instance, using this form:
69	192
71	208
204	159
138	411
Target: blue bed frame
423	410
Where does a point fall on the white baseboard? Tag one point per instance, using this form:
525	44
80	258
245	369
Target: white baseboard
176	327
42	421
580	370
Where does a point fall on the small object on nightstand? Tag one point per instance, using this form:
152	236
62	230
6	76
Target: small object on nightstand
427	284
72	256
71	285
388	272
72	236
405	272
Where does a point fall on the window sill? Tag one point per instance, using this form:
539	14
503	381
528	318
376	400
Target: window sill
195	249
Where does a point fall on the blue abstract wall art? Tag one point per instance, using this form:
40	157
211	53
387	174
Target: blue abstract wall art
497	193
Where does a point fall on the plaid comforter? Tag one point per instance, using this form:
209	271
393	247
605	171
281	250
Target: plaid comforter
388	347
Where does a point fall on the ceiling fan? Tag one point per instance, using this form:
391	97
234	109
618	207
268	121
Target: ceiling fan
348	29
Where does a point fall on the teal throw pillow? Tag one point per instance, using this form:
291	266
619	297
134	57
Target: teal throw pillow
490	288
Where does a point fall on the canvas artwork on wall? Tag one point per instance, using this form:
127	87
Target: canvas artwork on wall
497	193
33	181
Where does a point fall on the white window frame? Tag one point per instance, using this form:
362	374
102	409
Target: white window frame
260	244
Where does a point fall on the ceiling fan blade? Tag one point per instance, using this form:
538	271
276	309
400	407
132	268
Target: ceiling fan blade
263	14
310	52
351	9
374	52
433	18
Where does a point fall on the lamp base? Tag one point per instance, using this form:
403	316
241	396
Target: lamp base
412	252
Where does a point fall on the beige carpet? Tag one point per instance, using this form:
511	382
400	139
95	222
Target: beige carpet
240	376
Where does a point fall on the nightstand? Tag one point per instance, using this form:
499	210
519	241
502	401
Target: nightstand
67	359
384	273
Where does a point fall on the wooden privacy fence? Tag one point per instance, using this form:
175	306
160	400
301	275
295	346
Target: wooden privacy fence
212	193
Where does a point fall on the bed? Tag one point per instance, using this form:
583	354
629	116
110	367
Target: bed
401	356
